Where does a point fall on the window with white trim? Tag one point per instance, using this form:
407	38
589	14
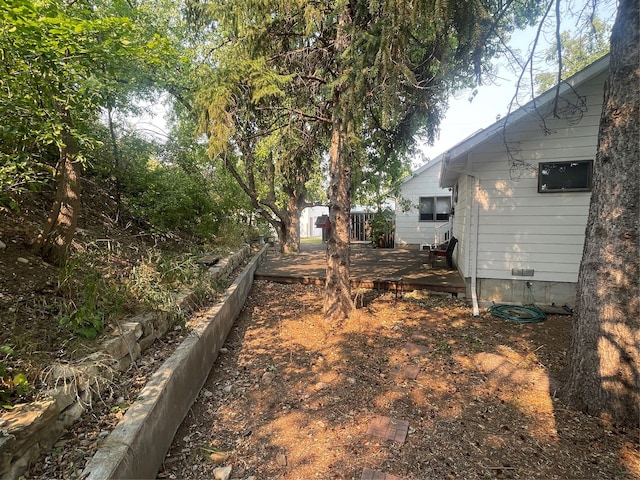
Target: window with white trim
434	209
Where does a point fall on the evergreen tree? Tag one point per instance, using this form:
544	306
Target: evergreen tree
363	77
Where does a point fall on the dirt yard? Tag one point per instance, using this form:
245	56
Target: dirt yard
292	397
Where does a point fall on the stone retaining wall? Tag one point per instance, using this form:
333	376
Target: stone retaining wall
31	429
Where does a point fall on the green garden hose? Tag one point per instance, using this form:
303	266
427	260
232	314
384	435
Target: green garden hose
519	313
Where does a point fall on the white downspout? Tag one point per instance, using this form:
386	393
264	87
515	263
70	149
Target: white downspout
473	251
472	218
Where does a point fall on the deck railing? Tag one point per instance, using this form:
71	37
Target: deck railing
361	230
442	233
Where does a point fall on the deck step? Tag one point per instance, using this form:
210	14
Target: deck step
374	284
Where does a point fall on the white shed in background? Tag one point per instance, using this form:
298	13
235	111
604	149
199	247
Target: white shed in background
308	219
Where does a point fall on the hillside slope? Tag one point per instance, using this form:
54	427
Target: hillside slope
115	269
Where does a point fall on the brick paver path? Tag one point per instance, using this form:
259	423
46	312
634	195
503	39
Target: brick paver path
368	474
415	350
389	428
406	372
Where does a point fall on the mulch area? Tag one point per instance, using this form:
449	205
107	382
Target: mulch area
413	388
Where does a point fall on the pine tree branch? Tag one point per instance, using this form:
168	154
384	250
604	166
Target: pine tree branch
297	111
559	52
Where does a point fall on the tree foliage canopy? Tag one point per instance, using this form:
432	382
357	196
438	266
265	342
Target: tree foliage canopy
63	63
577	50
280	69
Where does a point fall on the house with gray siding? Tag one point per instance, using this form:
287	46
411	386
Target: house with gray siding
520	195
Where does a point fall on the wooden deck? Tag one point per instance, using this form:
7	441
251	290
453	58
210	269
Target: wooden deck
370	268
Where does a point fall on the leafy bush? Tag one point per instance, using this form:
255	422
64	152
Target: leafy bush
170	199
86	322
234	233
162	189
381	226
16	176
171	187
93	300
13	386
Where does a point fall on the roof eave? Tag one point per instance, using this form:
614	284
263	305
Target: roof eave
430	164
458	153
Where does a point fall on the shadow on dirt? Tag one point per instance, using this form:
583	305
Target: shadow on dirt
293	397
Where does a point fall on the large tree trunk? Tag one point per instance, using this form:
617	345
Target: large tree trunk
604	362
288	227
291	243
338	304
54	242
337	301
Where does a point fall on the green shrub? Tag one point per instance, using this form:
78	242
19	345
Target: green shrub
381	226
13	386
233	233
92	299
170	199
85	321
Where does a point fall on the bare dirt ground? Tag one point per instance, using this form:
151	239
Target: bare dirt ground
291	397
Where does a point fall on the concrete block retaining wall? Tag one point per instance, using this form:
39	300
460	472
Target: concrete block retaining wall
136	448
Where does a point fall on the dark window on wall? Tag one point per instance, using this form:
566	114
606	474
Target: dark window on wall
565	176
434	209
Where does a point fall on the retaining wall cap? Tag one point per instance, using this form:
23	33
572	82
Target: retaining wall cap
23	416
133	435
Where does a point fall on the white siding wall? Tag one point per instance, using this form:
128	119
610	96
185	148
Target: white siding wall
462	223
409	230
519	227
